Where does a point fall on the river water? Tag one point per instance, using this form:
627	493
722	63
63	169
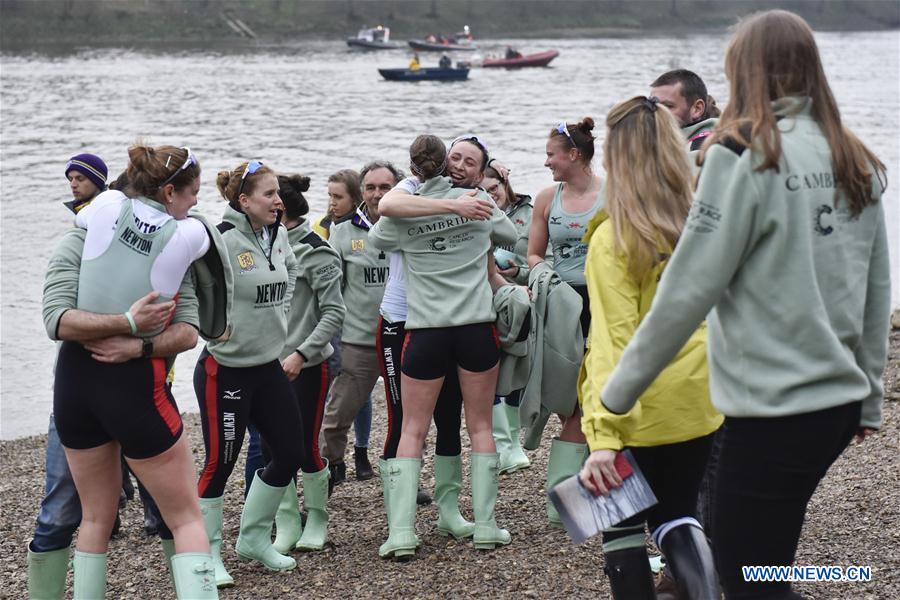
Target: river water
316	108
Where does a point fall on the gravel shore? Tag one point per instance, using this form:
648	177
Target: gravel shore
853	519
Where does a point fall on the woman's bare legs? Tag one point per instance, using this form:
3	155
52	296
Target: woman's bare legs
419	398
97	473
171	478
478	390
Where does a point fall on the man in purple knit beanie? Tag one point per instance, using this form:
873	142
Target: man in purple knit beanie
87	177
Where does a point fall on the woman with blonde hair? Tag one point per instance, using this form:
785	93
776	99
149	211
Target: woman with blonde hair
669	432
786	246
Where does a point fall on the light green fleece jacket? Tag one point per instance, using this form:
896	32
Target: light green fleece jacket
799	289
520	215
446	260
365	270
317	309
262	293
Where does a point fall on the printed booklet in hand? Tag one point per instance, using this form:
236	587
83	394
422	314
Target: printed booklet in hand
584	515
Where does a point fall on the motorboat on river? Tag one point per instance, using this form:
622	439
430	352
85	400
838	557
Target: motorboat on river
375	38
462	41
538	59
425	74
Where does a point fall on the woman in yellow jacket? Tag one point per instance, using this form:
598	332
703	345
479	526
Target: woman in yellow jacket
669	431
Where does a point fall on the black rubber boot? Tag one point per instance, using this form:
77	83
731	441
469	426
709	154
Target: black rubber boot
363	466
629	574
690	559
338	475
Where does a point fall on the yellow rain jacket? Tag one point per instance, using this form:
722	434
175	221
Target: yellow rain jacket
676	407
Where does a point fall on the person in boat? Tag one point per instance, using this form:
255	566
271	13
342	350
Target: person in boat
560	218
444	327
796	352
414	64
512	53
670	435
445	62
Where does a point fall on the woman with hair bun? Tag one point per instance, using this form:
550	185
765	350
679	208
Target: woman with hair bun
648	197
111	397
316	314
240	379
785	255
560	218
449	326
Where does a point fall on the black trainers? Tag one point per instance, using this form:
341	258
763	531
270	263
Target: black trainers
363	466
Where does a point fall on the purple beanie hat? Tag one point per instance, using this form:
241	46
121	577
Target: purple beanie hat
91	166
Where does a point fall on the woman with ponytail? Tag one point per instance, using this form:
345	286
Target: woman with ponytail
449	327
648	197
316	314
785	254
560	218
111	398
239	379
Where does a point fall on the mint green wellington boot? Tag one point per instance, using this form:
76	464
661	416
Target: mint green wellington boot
385	489
212	520
403	484
90	576
500	429
565	460
383	475
47	574
255	539
288	525
195	576
168	548
516	460
484	497
447	484
315	499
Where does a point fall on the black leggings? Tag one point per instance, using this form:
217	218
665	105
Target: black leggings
310	388
448	410
674	472
95	403
768	471
229	398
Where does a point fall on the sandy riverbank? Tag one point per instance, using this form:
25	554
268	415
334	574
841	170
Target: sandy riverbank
854	519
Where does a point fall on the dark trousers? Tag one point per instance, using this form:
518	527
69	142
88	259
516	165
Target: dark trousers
768	471
310	388
448	410
232	397
674	472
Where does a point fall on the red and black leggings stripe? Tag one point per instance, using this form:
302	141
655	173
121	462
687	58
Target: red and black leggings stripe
232	397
